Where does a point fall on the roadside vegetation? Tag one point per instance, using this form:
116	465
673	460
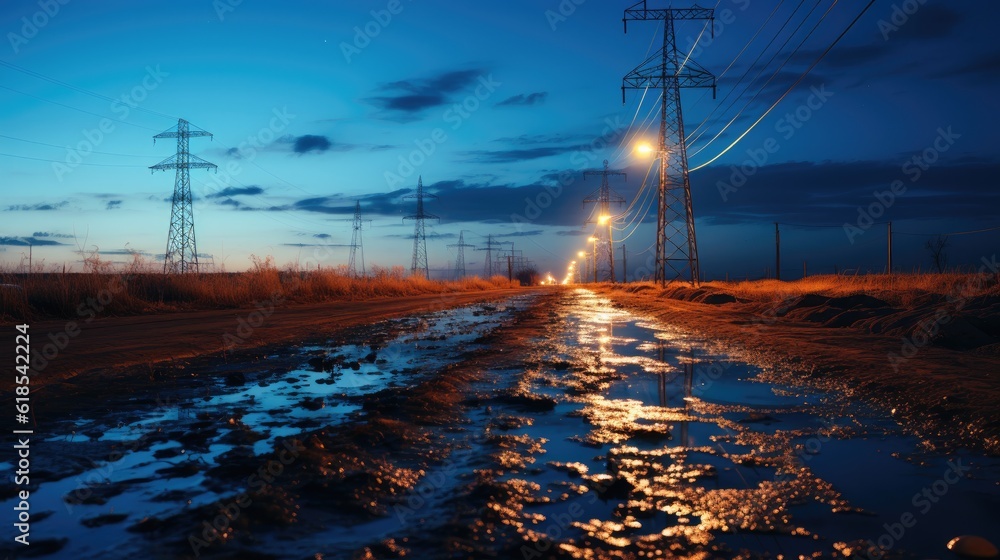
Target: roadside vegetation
138	288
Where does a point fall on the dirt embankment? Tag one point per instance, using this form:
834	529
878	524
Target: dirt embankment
935	362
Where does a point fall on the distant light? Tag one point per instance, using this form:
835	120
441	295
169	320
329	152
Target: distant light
581	254
593	240
603	219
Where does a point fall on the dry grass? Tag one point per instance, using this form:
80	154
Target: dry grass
899	290
136	289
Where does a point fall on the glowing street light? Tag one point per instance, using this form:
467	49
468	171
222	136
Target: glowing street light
603	219
645	149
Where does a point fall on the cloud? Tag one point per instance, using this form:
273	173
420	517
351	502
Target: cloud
958	189
50	234
515	155
314	245
527	233
113	204
430	235
984	68
311	143
405	100
26	241
127	252
459	200
520	99
237	191
40	206
931	21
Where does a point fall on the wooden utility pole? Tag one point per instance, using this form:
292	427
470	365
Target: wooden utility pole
777	252
889	263
624	265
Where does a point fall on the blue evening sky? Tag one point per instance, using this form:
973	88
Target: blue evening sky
316	105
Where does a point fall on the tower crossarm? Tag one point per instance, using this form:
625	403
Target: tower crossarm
640	11
194	162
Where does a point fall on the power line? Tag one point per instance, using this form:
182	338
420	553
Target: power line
792	87
111	99
694	136
949	234
773	75
63	162
98	115
78	89
64	147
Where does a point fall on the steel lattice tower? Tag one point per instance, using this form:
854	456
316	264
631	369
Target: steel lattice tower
488	269
182	250
419	231
676	245
460	259
356	243
604	197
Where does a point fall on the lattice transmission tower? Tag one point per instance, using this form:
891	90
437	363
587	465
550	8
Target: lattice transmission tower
489	269
356	243
670	70
460	259
182	250
419	230
604	197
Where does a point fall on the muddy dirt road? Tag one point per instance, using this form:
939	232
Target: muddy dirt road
103	343
541	425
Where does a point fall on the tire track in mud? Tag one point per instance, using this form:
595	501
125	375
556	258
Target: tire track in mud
355	483
529	441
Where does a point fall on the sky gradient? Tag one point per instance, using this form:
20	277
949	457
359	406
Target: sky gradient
499	108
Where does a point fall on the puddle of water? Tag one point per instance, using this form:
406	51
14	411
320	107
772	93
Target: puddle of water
654	444
160	455
688	451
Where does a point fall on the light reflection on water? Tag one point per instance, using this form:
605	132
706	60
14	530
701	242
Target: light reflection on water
687	451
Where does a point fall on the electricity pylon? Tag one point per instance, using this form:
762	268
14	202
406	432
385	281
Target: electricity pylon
488	269
604	197
357	243
419	232
182	251
460	259
676	245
